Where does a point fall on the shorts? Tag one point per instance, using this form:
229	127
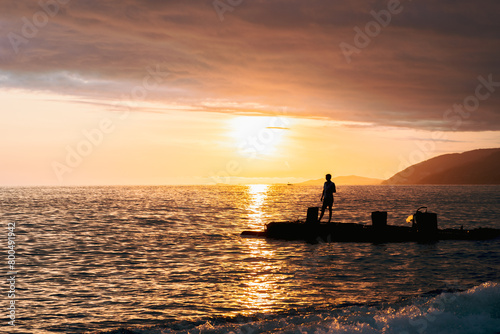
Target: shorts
327	202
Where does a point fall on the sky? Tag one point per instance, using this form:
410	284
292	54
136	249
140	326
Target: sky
236	91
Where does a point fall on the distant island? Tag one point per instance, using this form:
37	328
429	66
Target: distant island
344	180
472	167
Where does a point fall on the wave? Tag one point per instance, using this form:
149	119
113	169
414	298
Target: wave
476	310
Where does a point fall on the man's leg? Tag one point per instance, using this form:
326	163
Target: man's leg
330	216
322	213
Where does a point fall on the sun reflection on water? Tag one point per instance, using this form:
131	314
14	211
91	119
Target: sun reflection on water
257	194
261	290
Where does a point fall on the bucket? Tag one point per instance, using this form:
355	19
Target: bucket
312	215
379	219
425	222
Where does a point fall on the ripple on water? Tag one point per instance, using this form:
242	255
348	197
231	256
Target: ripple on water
93	257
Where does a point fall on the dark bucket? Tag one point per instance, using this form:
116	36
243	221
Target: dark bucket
425	223
312	215
379	219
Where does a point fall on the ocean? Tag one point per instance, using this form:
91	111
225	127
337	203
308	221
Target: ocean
170	259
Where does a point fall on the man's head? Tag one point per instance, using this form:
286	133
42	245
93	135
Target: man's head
328	177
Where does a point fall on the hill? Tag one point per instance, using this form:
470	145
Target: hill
472	167
344	180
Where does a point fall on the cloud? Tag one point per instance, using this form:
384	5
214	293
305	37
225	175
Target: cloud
278	54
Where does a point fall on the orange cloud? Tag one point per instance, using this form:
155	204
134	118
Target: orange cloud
281	54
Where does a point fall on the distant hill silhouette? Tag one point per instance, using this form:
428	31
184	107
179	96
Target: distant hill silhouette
344	180
472	167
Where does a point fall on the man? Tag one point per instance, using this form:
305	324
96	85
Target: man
327	196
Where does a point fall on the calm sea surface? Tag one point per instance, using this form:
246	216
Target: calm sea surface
171	259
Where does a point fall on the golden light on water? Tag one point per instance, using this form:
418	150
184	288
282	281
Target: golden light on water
262	289
257	197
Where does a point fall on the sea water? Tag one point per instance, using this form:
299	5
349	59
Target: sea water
171	260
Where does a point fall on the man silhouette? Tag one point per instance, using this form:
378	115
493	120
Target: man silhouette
327	196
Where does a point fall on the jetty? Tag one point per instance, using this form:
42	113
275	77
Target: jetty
424	228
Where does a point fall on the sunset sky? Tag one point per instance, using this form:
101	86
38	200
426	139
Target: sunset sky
240	91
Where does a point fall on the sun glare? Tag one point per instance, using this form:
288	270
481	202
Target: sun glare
256	136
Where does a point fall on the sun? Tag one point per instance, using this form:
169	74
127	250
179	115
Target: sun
257	136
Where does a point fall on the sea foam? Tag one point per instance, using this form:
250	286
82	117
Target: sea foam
476	310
